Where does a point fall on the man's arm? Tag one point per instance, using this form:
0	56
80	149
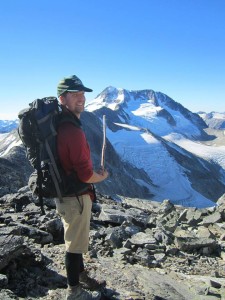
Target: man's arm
97	177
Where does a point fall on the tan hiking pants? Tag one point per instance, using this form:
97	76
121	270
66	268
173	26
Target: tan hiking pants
76	214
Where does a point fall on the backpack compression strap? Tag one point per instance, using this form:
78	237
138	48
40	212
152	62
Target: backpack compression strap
54	171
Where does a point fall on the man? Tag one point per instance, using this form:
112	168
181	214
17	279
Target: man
74	155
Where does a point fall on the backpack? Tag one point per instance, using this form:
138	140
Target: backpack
37	130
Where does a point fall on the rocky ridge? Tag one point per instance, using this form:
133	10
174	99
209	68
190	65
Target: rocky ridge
143	249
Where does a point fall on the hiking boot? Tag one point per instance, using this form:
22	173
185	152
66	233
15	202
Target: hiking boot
77	293
90	283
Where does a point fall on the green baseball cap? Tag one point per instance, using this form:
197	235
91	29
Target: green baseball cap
71	84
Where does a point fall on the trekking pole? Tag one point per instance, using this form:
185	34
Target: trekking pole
103	144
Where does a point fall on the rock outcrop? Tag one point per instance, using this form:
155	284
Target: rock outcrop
143	249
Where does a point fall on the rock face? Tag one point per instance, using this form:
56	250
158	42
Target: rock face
143	249
13	164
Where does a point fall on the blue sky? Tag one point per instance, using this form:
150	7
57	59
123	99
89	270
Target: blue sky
173	46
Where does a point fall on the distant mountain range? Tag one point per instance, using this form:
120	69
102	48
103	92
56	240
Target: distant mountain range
8	125
156	149
214	119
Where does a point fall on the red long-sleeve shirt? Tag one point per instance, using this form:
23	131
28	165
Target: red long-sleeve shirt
74	151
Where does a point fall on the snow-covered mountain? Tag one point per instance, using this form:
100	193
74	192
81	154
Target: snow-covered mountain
8	125
158	135
213	119
156	150
154	111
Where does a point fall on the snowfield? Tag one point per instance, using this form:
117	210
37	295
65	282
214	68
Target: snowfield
146	152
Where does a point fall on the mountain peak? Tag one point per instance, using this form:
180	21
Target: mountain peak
113	97
148	109
110	97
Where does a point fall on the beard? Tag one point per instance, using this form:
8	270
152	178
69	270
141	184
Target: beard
77	110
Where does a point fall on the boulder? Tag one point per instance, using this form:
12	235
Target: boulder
11	247
211	219
190	244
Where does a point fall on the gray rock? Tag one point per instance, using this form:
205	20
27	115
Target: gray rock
218	229
116	237
118	216
131	229
193	243
141	239
221	200
6	294
112	215
39	236
204	232
163	236
184	232
3	281
166	207
193	216
168	222
215	284
11	247
145	258
145	205
214	218
161	259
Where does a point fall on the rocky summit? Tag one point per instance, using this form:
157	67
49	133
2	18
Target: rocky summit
143	249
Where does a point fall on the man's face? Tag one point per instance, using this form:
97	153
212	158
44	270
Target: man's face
74	101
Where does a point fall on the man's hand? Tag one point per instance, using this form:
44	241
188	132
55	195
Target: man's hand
104	173
98	176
